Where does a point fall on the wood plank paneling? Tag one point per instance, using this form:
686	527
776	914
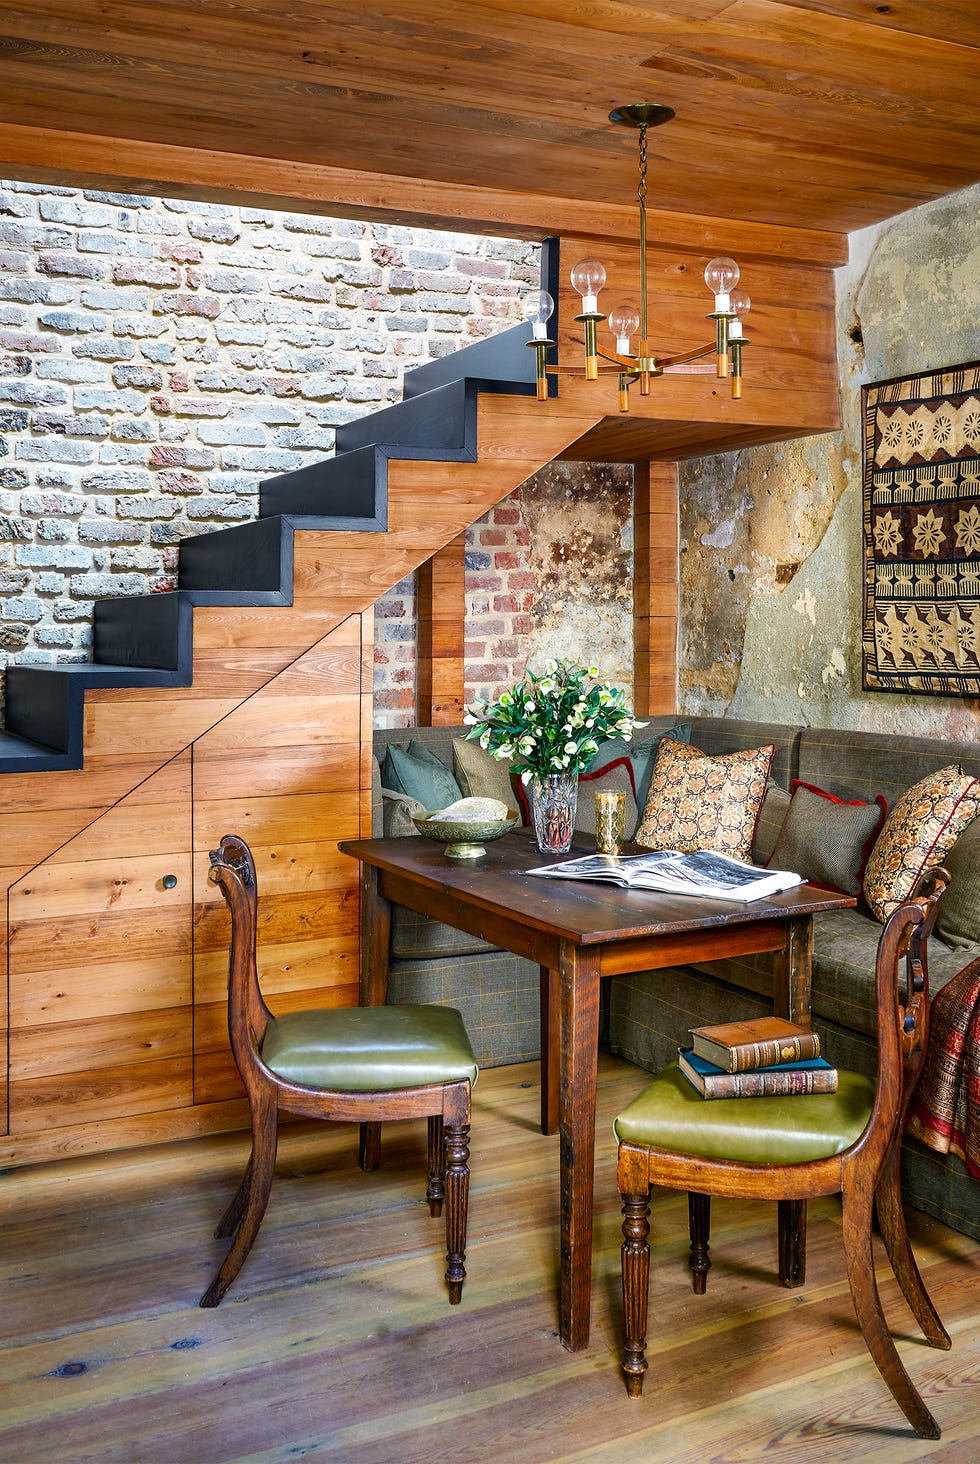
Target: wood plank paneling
308	893
99	953
823	116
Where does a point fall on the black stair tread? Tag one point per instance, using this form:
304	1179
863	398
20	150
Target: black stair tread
18	755
503	359
438	424
100	673
345	492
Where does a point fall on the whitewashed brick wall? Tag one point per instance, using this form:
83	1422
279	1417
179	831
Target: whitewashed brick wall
159	358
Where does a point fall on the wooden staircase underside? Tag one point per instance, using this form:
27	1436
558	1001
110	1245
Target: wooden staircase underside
251	714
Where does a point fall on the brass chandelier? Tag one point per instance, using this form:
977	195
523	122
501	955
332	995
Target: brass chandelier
588	277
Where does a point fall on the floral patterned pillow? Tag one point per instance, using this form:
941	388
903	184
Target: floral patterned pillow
702	802
920	830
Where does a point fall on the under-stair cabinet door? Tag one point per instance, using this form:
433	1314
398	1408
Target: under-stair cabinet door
100	980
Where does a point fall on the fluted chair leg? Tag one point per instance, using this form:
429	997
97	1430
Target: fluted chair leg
457	1206
437	1165
891	1221
636	1288
867	1303
699	1225
261	1170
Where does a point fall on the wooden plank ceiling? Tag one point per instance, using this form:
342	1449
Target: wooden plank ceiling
819	114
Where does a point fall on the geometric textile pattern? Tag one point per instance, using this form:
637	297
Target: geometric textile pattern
922	533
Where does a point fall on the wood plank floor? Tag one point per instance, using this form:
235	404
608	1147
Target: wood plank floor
337	1341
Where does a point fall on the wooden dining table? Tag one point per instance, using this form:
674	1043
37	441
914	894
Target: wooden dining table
577	933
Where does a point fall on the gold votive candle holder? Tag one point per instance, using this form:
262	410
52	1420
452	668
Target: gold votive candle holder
610	822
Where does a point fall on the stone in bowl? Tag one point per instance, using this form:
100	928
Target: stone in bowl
471	823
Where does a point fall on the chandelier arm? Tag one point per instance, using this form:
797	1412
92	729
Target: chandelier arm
688	355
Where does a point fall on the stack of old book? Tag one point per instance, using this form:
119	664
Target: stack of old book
767	1057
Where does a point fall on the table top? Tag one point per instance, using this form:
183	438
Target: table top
586	912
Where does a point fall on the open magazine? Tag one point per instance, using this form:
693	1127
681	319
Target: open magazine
705	873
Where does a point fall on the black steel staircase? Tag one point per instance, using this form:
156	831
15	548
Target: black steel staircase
147	640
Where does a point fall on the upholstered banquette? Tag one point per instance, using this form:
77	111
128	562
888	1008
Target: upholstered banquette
646	1016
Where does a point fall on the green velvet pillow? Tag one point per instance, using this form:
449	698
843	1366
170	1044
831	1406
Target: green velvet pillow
644	755
959	914
424	778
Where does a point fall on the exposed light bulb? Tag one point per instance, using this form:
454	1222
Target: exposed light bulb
588	278
741	304
721	275
538	309
624	321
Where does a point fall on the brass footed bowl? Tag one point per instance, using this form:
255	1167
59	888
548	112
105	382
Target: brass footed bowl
464	839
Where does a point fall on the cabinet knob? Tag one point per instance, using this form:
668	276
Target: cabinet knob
169	881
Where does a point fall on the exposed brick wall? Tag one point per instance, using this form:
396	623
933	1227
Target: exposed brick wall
549	572
159	357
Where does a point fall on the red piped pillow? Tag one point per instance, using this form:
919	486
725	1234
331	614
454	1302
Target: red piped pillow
827	840
616	774
920	830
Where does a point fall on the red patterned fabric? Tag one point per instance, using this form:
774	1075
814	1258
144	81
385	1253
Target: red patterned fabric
945	1109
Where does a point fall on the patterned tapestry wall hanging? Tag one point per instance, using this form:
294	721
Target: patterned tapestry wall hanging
922	533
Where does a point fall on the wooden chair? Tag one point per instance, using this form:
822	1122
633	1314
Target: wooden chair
352	1064
792	1149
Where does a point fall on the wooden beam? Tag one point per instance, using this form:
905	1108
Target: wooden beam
47	155
440	699
655	585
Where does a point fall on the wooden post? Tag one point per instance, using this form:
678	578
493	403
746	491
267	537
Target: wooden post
441	613
655	583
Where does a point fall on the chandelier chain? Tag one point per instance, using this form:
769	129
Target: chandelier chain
641	190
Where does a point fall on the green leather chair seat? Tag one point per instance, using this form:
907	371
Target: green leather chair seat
671	1114
357	1049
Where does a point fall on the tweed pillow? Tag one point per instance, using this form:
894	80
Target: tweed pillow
424	778
920	830
959	914
826	840
701	802
397	810
616	776
481	776
772	816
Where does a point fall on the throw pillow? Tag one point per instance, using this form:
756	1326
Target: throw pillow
644	755
396	811
826	840
772	816
701	802
920	830
481	776
959	914
424	778
616	776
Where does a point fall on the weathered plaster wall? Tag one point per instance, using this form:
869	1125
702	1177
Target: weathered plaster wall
771	569
549	572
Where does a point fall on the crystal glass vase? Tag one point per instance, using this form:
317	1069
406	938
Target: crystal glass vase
554	797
